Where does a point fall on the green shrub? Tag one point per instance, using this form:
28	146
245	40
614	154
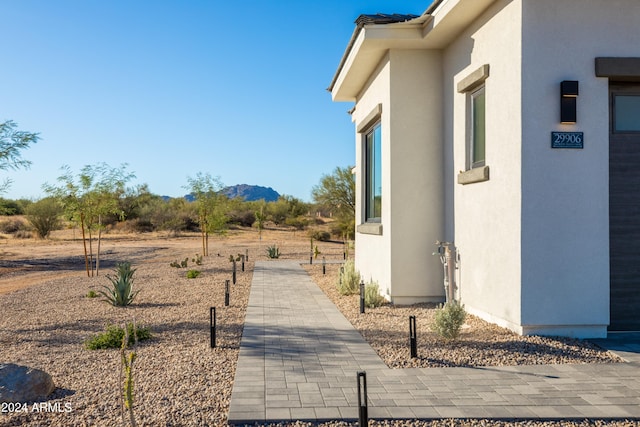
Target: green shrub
121	292
349	280
273	252
44	216
92	294
322	236
372	297
449	319
114	335
180	264
192	274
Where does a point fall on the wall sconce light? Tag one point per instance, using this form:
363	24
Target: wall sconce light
568	101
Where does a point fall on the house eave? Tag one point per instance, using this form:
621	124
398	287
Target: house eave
435	29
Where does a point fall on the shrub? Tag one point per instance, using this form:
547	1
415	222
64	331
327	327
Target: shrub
449	319
299	223
349	280
192	274
180	264
12	226
121	292
114	335
322	236
273	252
372	297
197	260
44	216
22	234
92	294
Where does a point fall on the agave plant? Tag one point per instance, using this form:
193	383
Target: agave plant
121	292
273	252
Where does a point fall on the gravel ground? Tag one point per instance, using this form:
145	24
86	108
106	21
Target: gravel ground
179	379
480	343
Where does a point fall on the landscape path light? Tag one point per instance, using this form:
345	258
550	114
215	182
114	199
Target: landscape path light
212	325
226	293
363	416
362	296
413	337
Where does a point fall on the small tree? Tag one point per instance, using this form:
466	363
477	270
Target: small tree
338	192
88	199
261	218
44	216
212	216
12	142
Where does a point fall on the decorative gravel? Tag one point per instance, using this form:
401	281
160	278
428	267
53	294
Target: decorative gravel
480	343
179	379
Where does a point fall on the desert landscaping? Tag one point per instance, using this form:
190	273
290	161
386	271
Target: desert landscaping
179	380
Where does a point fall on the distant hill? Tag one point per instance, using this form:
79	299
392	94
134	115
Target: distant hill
247	192
251	192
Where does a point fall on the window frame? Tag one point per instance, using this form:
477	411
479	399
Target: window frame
472	85
473	143
621	91
372	213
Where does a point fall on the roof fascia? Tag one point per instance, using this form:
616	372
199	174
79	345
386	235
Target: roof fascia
435	29
366	50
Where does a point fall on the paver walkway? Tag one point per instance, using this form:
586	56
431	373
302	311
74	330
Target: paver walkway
299	359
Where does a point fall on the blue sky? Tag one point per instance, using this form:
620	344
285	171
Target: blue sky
236	89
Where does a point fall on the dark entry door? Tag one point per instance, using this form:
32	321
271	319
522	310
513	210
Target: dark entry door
624	206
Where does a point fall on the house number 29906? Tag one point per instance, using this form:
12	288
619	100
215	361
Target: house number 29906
567	140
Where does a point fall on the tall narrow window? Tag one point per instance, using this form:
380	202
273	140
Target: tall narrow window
477	142
373	185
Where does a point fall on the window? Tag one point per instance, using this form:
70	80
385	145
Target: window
477	134
473	88
373	177
626	113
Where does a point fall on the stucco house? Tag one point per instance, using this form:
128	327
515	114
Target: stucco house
512	129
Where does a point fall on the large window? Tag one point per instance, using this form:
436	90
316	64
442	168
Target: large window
477	134
373	168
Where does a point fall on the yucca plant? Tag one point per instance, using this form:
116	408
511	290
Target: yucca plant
273	251
121	292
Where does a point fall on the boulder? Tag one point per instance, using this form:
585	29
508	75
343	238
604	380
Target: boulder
23	384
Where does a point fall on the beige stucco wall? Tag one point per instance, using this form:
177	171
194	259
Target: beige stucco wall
565	224
486	215
416	218
373	252
407	86
533	239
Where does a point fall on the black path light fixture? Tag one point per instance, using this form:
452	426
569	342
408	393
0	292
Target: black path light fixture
363	416
413	337
212	326
568	101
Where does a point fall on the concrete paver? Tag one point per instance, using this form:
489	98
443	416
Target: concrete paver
299	359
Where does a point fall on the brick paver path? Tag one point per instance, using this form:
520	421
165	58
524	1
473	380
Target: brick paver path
299	359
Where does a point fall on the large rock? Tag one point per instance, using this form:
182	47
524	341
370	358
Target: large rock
23	384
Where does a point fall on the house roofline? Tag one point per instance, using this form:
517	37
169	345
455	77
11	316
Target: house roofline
361	21
376	34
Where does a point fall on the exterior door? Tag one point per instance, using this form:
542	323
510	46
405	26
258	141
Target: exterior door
624	206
